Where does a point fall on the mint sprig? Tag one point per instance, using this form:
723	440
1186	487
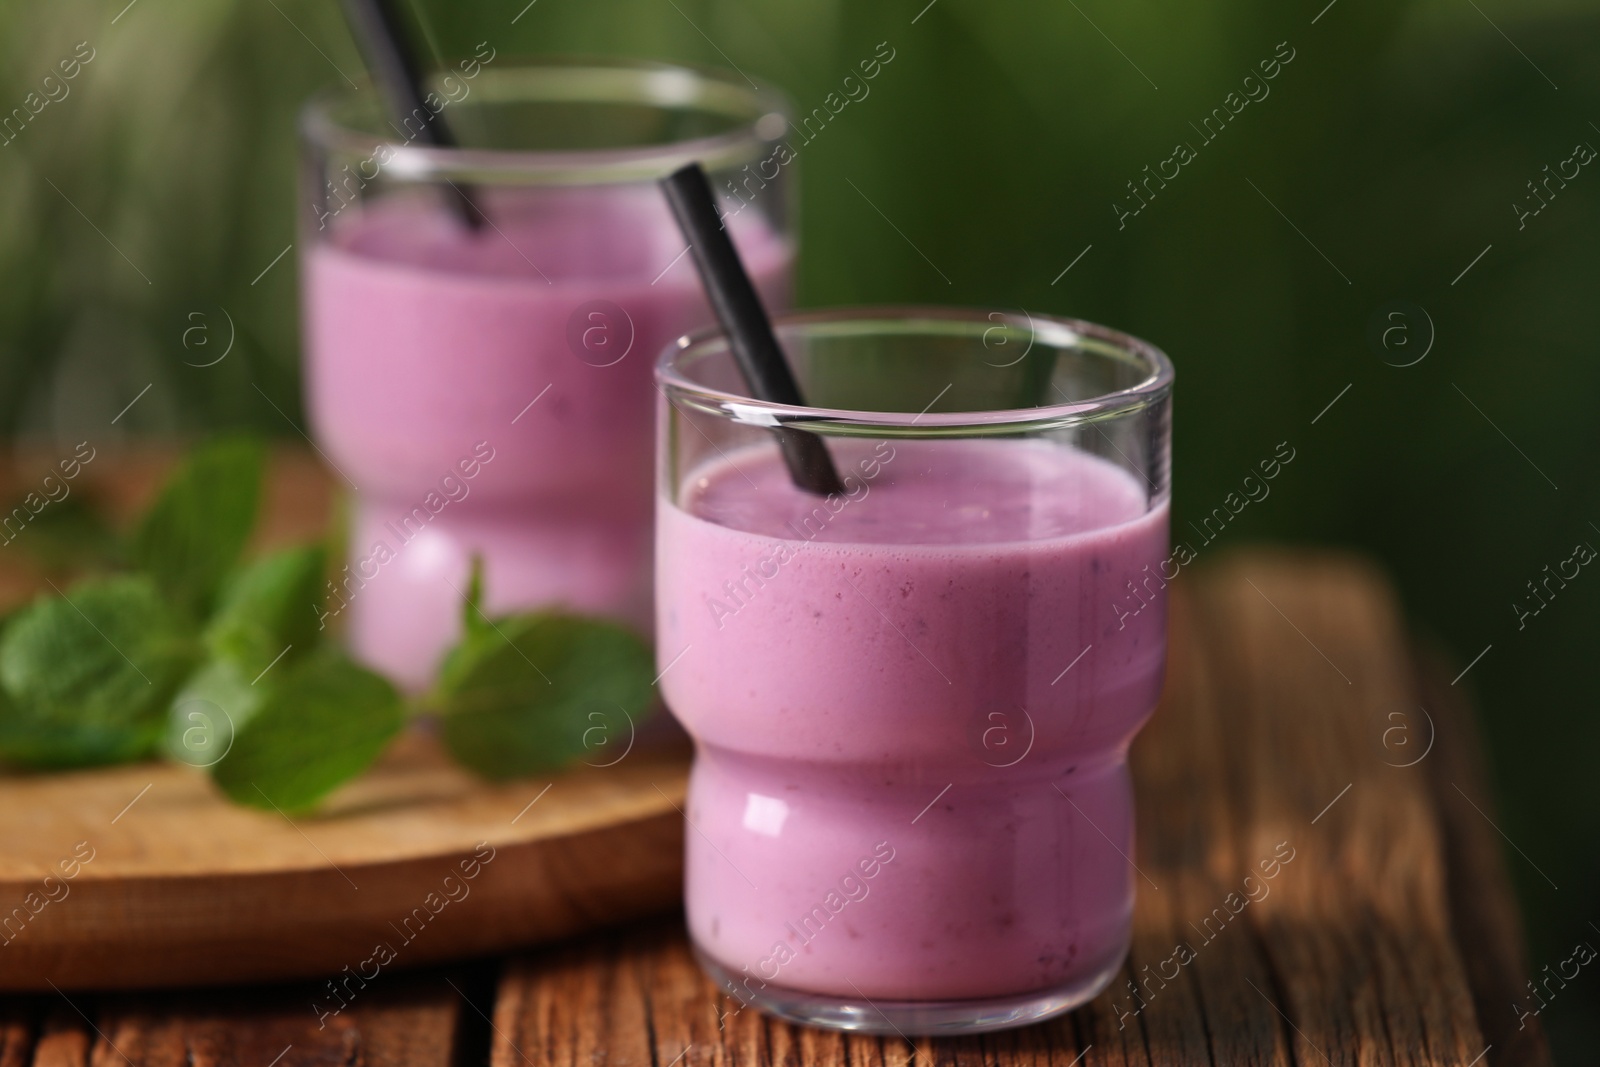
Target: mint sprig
226	666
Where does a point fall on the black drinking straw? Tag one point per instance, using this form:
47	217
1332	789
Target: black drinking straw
394	71
744	320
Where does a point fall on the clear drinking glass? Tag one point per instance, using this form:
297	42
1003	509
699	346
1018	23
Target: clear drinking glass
486	389
910	808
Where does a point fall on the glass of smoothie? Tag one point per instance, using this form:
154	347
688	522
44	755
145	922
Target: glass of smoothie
480	321
910	807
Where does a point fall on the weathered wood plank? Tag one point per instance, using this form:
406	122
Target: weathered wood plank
64	1040
1188	845
1268	754
16	1035
1312	661
399	1021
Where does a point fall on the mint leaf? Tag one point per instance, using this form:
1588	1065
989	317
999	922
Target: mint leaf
321	721
524	694
195	530
89	674
268	608
267	618
208	711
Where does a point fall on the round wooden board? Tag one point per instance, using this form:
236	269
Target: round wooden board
170	884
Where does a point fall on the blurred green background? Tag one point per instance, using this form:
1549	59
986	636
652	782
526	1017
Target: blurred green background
1397	141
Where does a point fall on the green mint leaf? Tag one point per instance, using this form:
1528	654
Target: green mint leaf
321	721
89	674
195	530
209	710
531	692
269	608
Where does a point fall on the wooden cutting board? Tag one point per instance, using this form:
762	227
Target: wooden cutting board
171	884
144	875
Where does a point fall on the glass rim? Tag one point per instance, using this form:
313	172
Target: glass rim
909	320
760	114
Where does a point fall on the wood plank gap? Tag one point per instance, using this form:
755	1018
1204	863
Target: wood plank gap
474	1034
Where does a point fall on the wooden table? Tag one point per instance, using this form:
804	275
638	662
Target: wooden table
1295	712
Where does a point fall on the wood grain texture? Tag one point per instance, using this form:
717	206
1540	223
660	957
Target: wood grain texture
414	1020
184	887
1286	674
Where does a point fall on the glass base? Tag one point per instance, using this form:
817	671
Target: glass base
914	1017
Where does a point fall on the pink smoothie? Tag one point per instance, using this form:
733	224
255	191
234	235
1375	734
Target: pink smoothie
430	347
901	790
